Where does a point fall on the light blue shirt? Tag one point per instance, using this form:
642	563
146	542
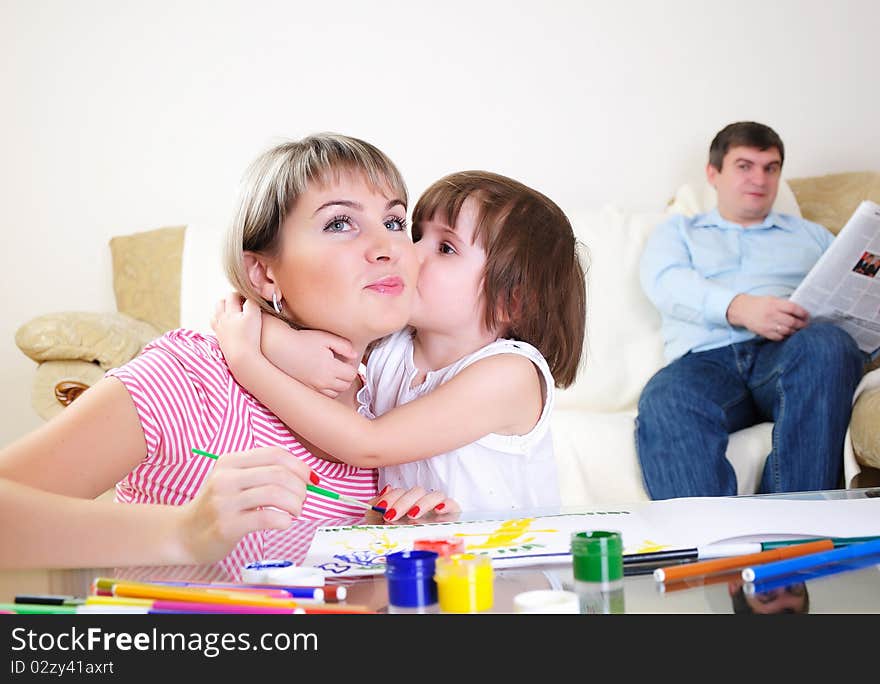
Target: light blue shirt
692	268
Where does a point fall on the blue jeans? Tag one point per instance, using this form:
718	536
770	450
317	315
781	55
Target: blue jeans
803	384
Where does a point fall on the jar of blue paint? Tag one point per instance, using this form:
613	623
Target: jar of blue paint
410	579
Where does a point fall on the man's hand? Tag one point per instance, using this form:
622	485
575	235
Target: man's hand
771	317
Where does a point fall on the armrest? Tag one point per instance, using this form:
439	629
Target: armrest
108	339
57	383
865	428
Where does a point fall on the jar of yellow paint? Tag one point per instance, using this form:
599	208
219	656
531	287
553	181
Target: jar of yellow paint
464	583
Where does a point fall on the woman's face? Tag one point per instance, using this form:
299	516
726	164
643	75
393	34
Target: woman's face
347	264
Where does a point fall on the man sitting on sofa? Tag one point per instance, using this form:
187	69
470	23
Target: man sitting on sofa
739	352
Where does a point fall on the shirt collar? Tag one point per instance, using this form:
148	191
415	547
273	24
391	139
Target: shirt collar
713	219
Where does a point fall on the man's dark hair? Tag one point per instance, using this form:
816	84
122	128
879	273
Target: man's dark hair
744	134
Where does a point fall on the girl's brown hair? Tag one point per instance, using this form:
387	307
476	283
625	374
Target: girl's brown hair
534	282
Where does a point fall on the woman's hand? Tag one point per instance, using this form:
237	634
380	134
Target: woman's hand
414	504
245	492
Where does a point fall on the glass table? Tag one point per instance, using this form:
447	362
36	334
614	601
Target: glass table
853	591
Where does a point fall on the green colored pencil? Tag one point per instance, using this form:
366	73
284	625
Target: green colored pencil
37	609
316	490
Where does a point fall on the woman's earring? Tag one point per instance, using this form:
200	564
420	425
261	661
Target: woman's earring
275	303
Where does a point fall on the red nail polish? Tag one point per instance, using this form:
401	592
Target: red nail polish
389	514
384	489
439	506
314	478
413	512
382	504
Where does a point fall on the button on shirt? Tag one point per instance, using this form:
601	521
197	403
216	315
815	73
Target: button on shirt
693	267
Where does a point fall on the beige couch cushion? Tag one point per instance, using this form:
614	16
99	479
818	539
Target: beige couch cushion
146	275
108	339
831	200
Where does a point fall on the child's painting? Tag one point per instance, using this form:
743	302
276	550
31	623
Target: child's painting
361	549
653	526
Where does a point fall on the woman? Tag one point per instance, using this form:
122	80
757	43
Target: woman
319	237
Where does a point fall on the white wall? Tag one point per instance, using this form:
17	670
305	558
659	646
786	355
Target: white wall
118	116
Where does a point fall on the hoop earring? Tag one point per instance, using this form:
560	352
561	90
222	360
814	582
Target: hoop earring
275	303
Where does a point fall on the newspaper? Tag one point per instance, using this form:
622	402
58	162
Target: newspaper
844	286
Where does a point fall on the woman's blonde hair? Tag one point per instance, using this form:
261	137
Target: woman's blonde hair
277	178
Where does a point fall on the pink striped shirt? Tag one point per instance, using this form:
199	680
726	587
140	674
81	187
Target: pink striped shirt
186	397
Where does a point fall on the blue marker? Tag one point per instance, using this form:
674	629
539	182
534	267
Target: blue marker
824	571
814	560
305	593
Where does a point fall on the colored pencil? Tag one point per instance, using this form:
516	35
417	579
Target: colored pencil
838	541
342	497
676	572
185	606
49	599
301	593
228	597
39	608
691	554
332	592
813	560
119	601
316	490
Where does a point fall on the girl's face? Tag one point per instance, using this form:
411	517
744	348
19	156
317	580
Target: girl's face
347	264
449	296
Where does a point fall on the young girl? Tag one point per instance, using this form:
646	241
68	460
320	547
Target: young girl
460	400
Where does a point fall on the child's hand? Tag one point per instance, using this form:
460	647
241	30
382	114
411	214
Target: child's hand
414	503
318	359
246	491
238	326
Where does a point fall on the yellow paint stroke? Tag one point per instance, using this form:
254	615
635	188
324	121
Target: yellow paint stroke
508	533
648	546
380	545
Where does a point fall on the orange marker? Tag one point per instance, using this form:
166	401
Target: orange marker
168	593
677	572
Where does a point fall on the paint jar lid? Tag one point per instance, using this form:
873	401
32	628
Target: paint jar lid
415	563
464	565
597	556
410	578
546	601
442	546
281	571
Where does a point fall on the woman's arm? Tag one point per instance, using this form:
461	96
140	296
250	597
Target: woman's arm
84	450
501	393
48	480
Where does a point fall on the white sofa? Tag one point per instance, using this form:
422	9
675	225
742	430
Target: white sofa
593	423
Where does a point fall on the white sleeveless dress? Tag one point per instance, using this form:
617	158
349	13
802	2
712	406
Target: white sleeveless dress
497	472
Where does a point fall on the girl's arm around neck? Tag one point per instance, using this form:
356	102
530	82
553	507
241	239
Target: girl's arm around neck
497	394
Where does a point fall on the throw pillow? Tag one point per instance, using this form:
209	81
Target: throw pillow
108	339
699	197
